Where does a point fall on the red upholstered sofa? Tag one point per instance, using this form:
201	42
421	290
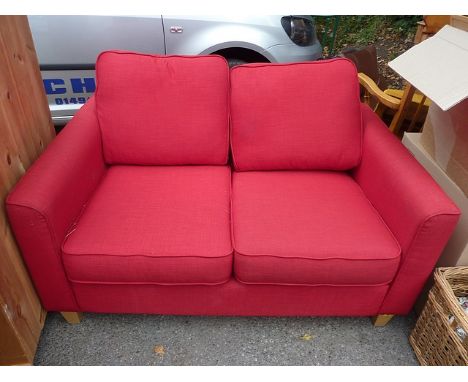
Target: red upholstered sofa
184	188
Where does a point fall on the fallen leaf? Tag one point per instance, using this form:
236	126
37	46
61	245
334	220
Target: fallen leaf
159	350
306	337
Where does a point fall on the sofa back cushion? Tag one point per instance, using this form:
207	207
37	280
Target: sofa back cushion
303	116
163	110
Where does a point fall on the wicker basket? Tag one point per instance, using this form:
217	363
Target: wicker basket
434	338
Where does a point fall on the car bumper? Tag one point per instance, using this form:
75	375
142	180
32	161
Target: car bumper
293	53
62	114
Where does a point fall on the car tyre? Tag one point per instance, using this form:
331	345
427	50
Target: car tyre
235	61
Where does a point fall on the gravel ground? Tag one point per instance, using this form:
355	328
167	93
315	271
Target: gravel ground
104	339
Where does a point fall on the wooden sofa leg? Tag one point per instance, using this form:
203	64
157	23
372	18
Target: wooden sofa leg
382	319
72	317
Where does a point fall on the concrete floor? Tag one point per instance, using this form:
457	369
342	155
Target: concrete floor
182	340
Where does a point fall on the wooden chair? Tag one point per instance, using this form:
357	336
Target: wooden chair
385	101
430	26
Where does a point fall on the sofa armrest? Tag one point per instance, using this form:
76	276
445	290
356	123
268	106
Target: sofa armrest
411	203
48	199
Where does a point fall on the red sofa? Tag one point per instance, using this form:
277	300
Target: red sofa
184	188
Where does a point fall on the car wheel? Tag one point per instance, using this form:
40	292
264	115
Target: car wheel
235	61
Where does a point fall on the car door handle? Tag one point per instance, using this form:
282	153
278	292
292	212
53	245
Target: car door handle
175	29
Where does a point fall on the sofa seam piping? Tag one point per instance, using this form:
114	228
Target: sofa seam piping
308	258
94	282
150	256
313	285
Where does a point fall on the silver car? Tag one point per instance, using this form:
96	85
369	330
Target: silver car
67	46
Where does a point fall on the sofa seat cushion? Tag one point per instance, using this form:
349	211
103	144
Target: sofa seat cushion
161	225
308	228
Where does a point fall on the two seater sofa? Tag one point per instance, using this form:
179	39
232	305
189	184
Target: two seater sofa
183	187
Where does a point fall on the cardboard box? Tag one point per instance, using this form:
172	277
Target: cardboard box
456	251
445	138
438	67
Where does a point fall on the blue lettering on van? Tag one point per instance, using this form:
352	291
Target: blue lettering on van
83	85
51	87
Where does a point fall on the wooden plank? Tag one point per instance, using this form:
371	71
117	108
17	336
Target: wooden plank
11	350
26	129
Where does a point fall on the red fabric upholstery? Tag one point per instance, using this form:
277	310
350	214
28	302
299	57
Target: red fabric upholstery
308	228
298	116
415	208
163	110
166	225
232	299
49	197
157	239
